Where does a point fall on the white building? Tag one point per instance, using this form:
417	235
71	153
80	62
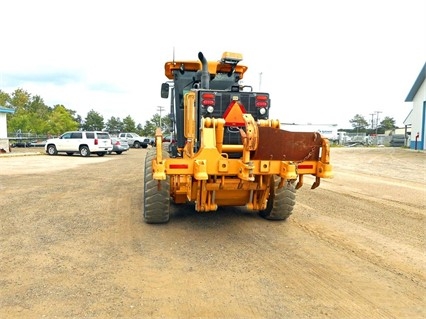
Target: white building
4	141
416	119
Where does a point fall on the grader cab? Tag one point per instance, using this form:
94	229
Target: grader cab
227	152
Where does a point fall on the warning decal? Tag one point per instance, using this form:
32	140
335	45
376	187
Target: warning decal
234	114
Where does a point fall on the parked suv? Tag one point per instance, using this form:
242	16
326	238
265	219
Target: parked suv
82	142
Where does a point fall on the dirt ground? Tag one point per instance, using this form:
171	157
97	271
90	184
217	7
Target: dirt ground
74	245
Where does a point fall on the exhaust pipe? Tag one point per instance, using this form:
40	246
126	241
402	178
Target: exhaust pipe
205	75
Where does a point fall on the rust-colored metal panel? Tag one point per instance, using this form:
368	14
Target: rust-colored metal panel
276	144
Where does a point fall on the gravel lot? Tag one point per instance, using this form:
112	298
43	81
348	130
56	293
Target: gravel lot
73	244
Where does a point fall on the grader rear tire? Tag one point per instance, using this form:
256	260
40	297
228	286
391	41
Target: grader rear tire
280	203
156	202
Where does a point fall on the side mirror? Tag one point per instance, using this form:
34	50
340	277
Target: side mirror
165	90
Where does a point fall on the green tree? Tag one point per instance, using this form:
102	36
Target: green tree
94	121
20	98
31	113
388	123
359	123
140	130
20	120
4	99
151	125
60	121
129	124
114	125
76	117
39	114
149	129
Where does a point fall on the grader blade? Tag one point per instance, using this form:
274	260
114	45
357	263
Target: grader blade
276	144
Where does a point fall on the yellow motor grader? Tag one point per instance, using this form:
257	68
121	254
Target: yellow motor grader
226	151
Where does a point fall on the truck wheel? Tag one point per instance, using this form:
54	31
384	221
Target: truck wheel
156	202
84	151
280	203
136	144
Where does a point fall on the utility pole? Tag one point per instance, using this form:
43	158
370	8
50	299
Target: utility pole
377	125
372	120
160	109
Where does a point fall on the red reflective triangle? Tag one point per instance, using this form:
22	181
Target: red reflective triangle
234	114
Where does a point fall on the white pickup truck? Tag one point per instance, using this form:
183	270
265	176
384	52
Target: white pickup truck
134	140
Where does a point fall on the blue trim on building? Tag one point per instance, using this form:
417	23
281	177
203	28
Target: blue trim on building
423	133
6	110
416	86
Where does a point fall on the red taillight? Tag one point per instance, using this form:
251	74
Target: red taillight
207	102
208	96
117	143
207	99
261	101
96	141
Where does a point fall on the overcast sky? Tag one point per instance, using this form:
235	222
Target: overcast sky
321	61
